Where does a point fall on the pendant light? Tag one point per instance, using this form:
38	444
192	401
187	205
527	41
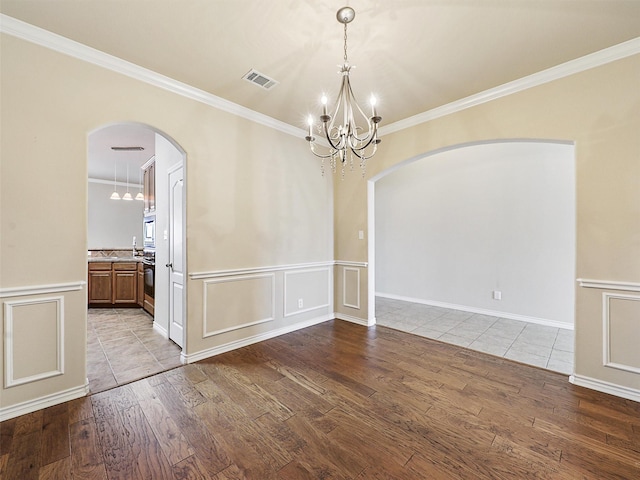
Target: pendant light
114	195
127	196
139	195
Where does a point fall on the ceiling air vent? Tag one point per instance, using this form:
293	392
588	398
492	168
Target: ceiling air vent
259	79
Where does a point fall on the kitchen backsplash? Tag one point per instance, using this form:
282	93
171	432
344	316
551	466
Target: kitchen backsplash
109	252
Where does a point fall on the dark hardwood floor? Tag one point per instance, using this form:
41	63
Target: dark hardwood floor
335	400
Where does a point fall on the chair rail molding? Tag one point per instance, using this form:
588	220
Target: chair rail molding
609	285
41	289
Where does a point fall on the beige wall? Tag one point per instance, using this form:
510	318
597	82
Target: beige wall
255	199
599	110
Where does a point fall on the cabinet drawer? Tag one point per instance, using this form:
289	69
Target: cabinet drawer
129	266
99	266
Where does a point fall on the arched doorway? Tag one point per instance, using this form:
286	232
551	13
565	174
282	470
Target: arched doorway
129	246
475	245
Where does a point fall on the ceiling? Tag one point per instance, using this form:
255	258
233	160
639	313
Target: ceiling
414	55
105	163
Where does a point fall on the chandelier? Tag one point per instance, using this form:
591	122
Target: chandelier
345	137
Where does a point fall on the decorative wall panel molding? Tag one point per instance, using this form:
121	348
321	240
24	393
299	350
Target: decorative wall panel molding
41	330
619	337
237	302
311	286
351	287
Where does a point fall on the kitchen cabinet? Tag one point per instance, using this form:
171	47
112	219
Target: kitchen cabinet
149	185
114	283
125	277
140	287
100	283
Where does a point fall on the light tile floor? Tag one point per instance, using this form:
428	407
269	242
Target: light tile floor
122	346
530	343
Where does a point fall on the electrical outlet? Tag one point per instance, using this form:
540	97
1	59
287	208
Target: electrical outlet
300	303
497	295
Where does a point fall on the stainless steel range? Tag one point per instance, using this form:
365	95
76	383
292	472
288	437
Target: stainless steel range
149	268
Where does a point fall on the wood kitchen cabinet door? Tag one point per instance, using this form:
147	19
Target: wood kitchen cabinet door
100	284
149	185
125	282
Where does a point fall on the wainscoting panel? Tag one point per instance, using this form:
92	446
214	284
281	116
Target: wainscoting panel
33	339
306	290
351	287
237	302
621	331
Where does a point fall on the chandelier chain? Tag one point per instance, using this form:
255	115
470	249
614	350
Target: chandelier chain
345	43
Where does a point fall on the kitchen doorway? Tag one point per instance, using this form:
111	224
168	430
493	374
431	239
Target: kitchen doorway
129	333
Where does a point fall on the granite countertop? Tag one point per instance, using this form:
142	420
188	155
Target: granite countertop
114	259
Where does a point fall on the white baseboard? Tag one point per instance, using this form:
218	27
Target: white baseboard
482	311
227	347
160	329
352	319
605	387
43	402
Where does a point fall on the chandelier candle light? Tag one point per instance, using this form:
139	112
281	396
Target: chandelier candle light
347	138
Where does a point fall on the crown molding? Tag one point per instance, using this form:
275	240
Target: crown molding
25	31
39	36
592	60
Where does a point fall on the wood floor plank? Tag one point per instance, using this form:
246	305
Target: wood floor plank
245	451
530	460
144	447
183	381
7	430
24	457
3	465
379	447
29	423
59	470
55	434
175	447
334	457
190	469
119	460
80	409
87	461
255	400
208	449
581	442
